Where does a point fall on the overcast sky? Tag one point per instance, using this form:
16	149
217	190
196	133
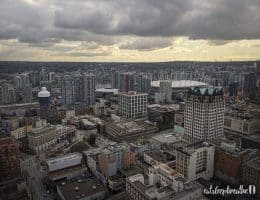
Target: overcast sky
129	30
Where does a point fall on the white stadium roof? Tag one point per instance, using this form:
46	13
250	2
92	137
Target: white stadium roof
181	84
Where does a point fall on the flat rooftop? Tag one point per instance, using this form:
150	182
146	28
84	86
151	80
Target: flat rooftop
254	163
61	159
78	190
180	83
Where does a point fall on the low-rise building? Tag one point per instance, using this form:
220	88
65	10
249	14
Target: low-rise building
88	189
42	138
106	162
130	129
251	174
164	183
196	161
242	119
142	146
163	116
21	132
229	160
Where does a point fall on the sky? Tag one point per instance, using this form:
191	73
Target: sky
129	30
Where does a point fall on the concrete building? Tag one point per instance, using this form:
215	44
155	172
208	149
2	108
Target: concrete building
165	89
44	98
233	89
164	183
126	82
88	89
204	114
242	119
130	130
67	90
163	116
133	105
7	94
88	189
42	138
249	88
107	161
178	86
143	83
21	80
21	132
251	175
115	80
196	161
79	88
64	161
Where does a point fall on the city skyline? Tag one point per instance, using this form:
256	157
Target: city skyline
136	31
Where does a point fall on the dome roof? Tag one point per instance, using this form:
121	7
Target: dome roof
44	93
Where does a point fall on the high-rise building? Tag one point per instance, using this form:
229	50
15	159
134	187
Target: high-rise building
67	90
143	83
9	159
196	161
233	87
79	88
27	94
23	88
89	89
7	94
165	89
250	85
21	81
44	98
115	80
43	75
204	114
132	104
126	82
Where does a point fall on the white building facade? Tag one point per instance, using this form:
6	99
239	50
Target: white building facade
133	105
204	114
196	161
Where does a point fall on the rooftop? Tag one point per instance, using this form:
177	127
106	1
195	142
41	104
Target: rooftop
191	148
167	138
254	163
61	159
107	90
180	83
78	190
206	91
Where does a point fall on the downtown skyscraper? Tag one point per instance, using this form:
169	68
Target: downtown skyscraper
78	89
204	114
143	83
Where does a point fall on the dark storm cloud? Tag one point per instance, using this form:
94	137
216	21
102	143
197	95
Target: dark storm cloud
147	44
44	22
213	19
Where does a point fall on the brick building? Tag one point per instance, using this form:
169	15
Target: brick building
9	159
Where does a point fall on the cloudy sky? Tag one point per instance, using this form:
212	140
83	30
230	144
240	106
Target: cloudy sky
129	30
